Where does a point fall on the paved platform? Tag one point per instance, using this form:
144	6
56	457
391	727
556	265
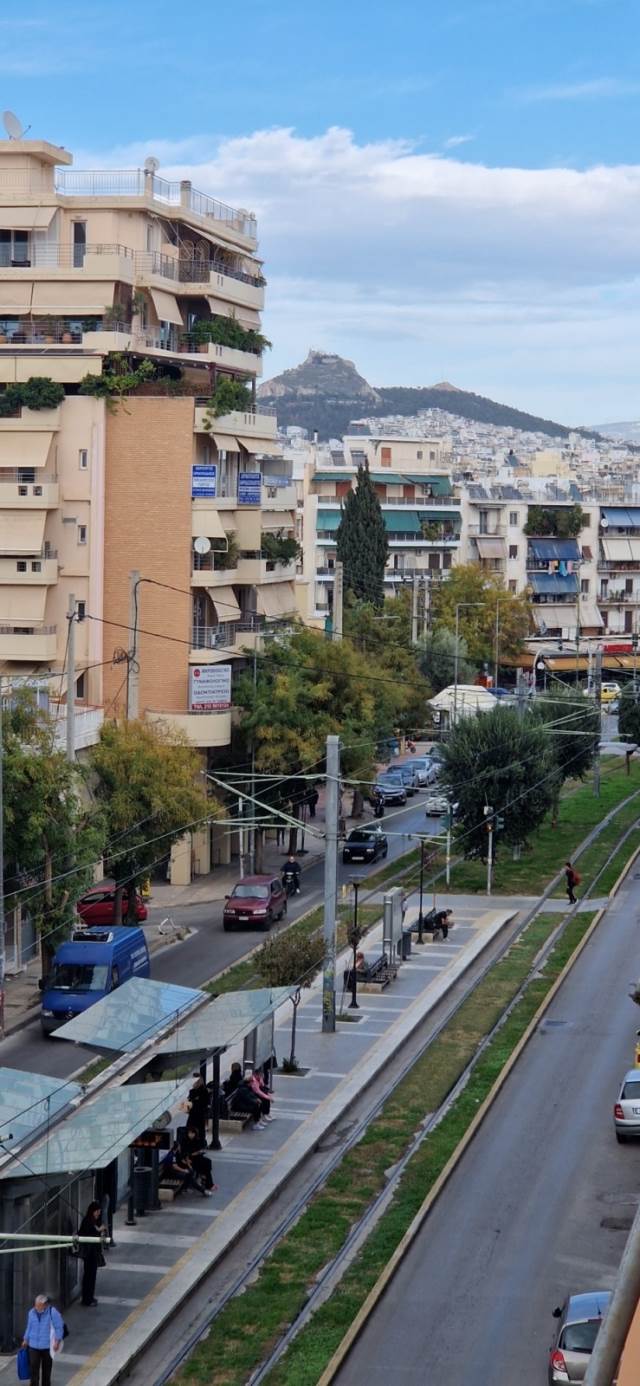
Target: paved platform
155	1264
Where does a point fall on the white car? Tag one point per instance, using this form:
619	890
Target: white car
436	805
626	1113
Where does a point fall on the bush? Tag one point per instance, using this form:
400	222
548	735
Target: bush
39	392
230	394
289	958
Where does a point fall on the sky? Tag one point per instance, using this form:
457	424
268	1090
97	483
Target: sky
445	191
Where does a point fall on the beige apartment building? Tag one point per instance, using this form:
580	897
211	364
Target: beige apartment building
163	512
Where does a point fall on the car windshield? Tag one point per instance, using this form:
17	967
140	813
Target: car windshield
580	1337
391	775
360	835
251	892
78	977
632	1090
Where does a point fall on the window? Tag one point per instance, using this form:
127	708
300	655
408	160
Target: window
26	474
21	565
434	561
419	455
83	459
14	248
446	559
23	490
605	618
37	490
82	534
586	552
513	551
513	517
80	693
513	586
432	457
36	566
79	243
81	610
385	457
584	586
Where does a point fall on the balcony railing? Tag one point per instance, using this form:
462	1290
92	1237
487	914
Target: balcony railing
136	182
418	503
620	598
225	634
201	402
20	628
479	532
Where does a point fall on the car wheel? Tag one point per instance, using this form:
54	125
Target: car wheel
227	927
621	1139
267	925
385	852
284	907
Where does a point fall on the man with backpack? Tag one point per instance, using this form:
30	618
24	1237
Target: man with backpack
573	879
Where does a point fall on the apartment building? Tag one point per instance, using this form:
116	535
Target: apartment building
182	483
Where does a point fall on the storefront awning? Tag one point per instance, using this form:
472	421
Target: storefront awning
19	448
72	298
28	1100
276	599
22	533
226	603
25	605
100	1130
553	584
620	549
130	1016
166	306
228	1020
27	218
491	548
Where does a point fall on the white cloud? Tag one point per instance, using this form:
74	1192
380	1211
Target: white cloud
455	140
590	90
520	283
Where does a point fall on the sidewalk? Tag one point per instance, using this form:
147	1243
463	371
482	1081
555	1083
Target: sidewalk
155	1265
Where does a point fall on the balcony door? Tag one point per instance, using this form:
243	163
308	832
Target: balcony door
79	243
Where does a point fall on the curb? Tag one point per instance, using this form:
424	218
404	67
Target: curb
376	1293
616	885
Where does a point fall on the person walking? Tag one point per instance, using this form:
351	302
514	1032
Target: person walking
42	1336
91	1252
572	878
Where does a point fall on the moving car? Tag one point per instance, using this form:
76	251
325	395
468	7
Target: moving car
438	804
610	692
392	788
365	844
579	1321
255	900
96	907
92	963
626	1113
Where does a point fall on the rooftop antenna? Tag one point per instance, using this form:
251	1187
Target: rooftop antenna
151	165
13	127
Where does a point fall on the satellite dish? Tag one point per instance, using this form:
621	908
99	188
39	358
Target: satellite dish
604	523
151	165
13	126
202	545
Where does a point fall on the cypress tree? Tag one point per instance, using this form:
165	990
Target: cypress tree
361	542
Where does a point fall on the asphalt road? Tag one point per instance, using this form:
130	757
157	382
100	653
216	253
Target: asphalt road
209	949
538	1205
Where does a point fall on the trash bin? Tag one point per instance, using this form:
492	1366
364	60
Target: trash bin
143	1189
406	944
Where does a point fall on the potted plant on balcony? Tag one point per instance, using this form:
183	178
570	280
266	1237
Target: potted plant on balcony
67	334
116	317
227	558
48	329
201	334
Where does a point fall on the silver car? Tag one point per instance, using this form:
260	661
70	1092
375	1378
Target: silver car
425	769
626	1113
579	1321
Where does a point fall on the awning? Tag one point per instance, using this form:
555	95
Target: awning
552	616
226	442
22	532
72	297
22	448
566	664
621	516
166	306
22	604
220	308
16	296
206	522
620	550
589	615
491	548
125	1019
276	599
29	1100
277	519
260	445
398	523
99	1131
553	584
545	550
438	485
328	519
26	219
225	602
228	1020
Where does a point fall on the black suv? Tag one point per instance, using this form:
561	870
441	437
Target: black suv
364	844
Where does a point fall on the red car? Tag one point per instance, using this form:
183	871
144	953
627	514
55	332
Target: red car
96	907
255	901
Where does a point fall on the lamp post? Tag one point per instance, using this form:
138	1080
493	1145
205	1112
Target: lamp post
354	939
459	606
420	938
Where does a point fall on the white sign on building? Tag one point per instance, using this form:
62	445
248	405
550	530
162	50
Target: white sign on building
209	687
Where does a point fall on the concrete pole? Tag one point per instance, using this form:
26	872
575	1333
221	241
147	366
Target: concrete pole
455	667
415	596
598	693
611	1339
133	670
338	597
2	919
330	884
497	646
71	680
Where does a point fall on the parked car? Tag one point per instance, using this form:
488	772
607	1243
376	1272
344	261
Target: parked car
392	789
409	778
579	1320
626	1113
90	965
438	804
96	907
610	692
365	844
426	769
255	900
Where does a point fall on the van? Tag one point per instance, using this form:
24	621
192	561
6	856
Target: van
92	963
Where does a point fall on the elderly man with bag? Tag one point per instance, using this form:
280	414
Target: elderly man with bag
43	1337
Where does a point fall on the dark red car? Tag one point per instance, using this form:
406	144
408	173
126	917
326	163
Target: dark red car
256	901
96	907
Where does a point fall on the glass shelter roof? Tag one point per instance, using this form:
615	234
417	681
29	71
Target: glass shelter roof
29	1100
98	1131
226	1021
130	1016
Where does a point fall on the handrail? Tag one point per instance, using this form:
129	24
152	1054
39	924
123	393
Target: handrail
137	182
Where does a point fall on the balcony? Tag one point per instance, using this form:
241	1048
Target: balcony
276	498
256	571
419	503
32	421
87	720
28	495
28	643
479	532
237	635
138	184
259	423
227	358
40	572
204	574
619	598
199	728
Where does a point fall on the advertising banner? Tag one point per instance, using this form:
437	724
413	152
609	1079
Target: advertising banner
204	480
209	687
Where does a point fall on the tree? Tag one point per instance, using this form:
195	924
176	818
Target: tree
629	714
148	784
361	542
52	836
574	728
385	636
437	659
469	583
291	958
499	760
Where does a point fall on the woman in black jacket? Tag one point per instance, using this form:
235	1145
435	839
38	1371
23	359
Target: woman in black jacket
91	1253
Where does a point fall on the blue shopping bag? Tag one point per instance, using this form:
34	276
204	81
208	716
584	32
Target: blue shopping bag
22	1364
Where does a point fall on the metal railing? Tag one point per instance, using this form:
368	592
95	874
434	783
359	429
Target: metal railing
619	598
497	532
418	503
247	415
38	331
225	633
136	182
59	256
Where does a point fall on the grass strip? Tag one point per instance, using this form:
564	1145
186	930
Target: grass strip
551	846
594	858
249	1326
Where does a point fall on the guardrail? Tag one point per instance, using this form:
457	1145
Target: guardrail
137	182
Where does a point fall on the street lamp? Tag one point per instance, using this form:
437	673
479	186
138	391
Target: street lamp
354	939
459	606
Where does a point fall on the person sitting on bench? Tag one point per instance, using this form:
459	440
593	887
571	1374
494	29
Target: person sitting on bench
193	1149
442	922
177	1167
244	1099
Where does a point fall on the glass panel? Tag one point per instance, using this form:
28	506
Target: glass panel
130	1015
78	977
250	892
27	1101
226	1021
97	1133
580	1337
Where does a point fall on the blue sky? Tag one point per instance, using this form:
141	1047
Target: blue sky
443	189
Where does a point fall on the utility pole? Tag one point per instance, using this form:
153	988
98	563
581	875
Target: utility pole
2	921
330	884
520	694
338	595
71	680
253	830
241	833
415	596
133	669
598	693
426	605
488	813
612	1335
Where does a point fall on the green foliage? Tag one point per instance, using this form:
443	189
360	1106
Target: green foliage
290	957
385	637
498	759
117	316
564	523
629	714
361	542
469	583
119	378
51	838
39	392
148	784
278	547
229	332
437	659
227	558
229	394
574	728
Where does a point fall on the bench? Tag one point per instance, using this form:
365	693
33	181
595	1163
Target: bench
233	1123
374	975
430	923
